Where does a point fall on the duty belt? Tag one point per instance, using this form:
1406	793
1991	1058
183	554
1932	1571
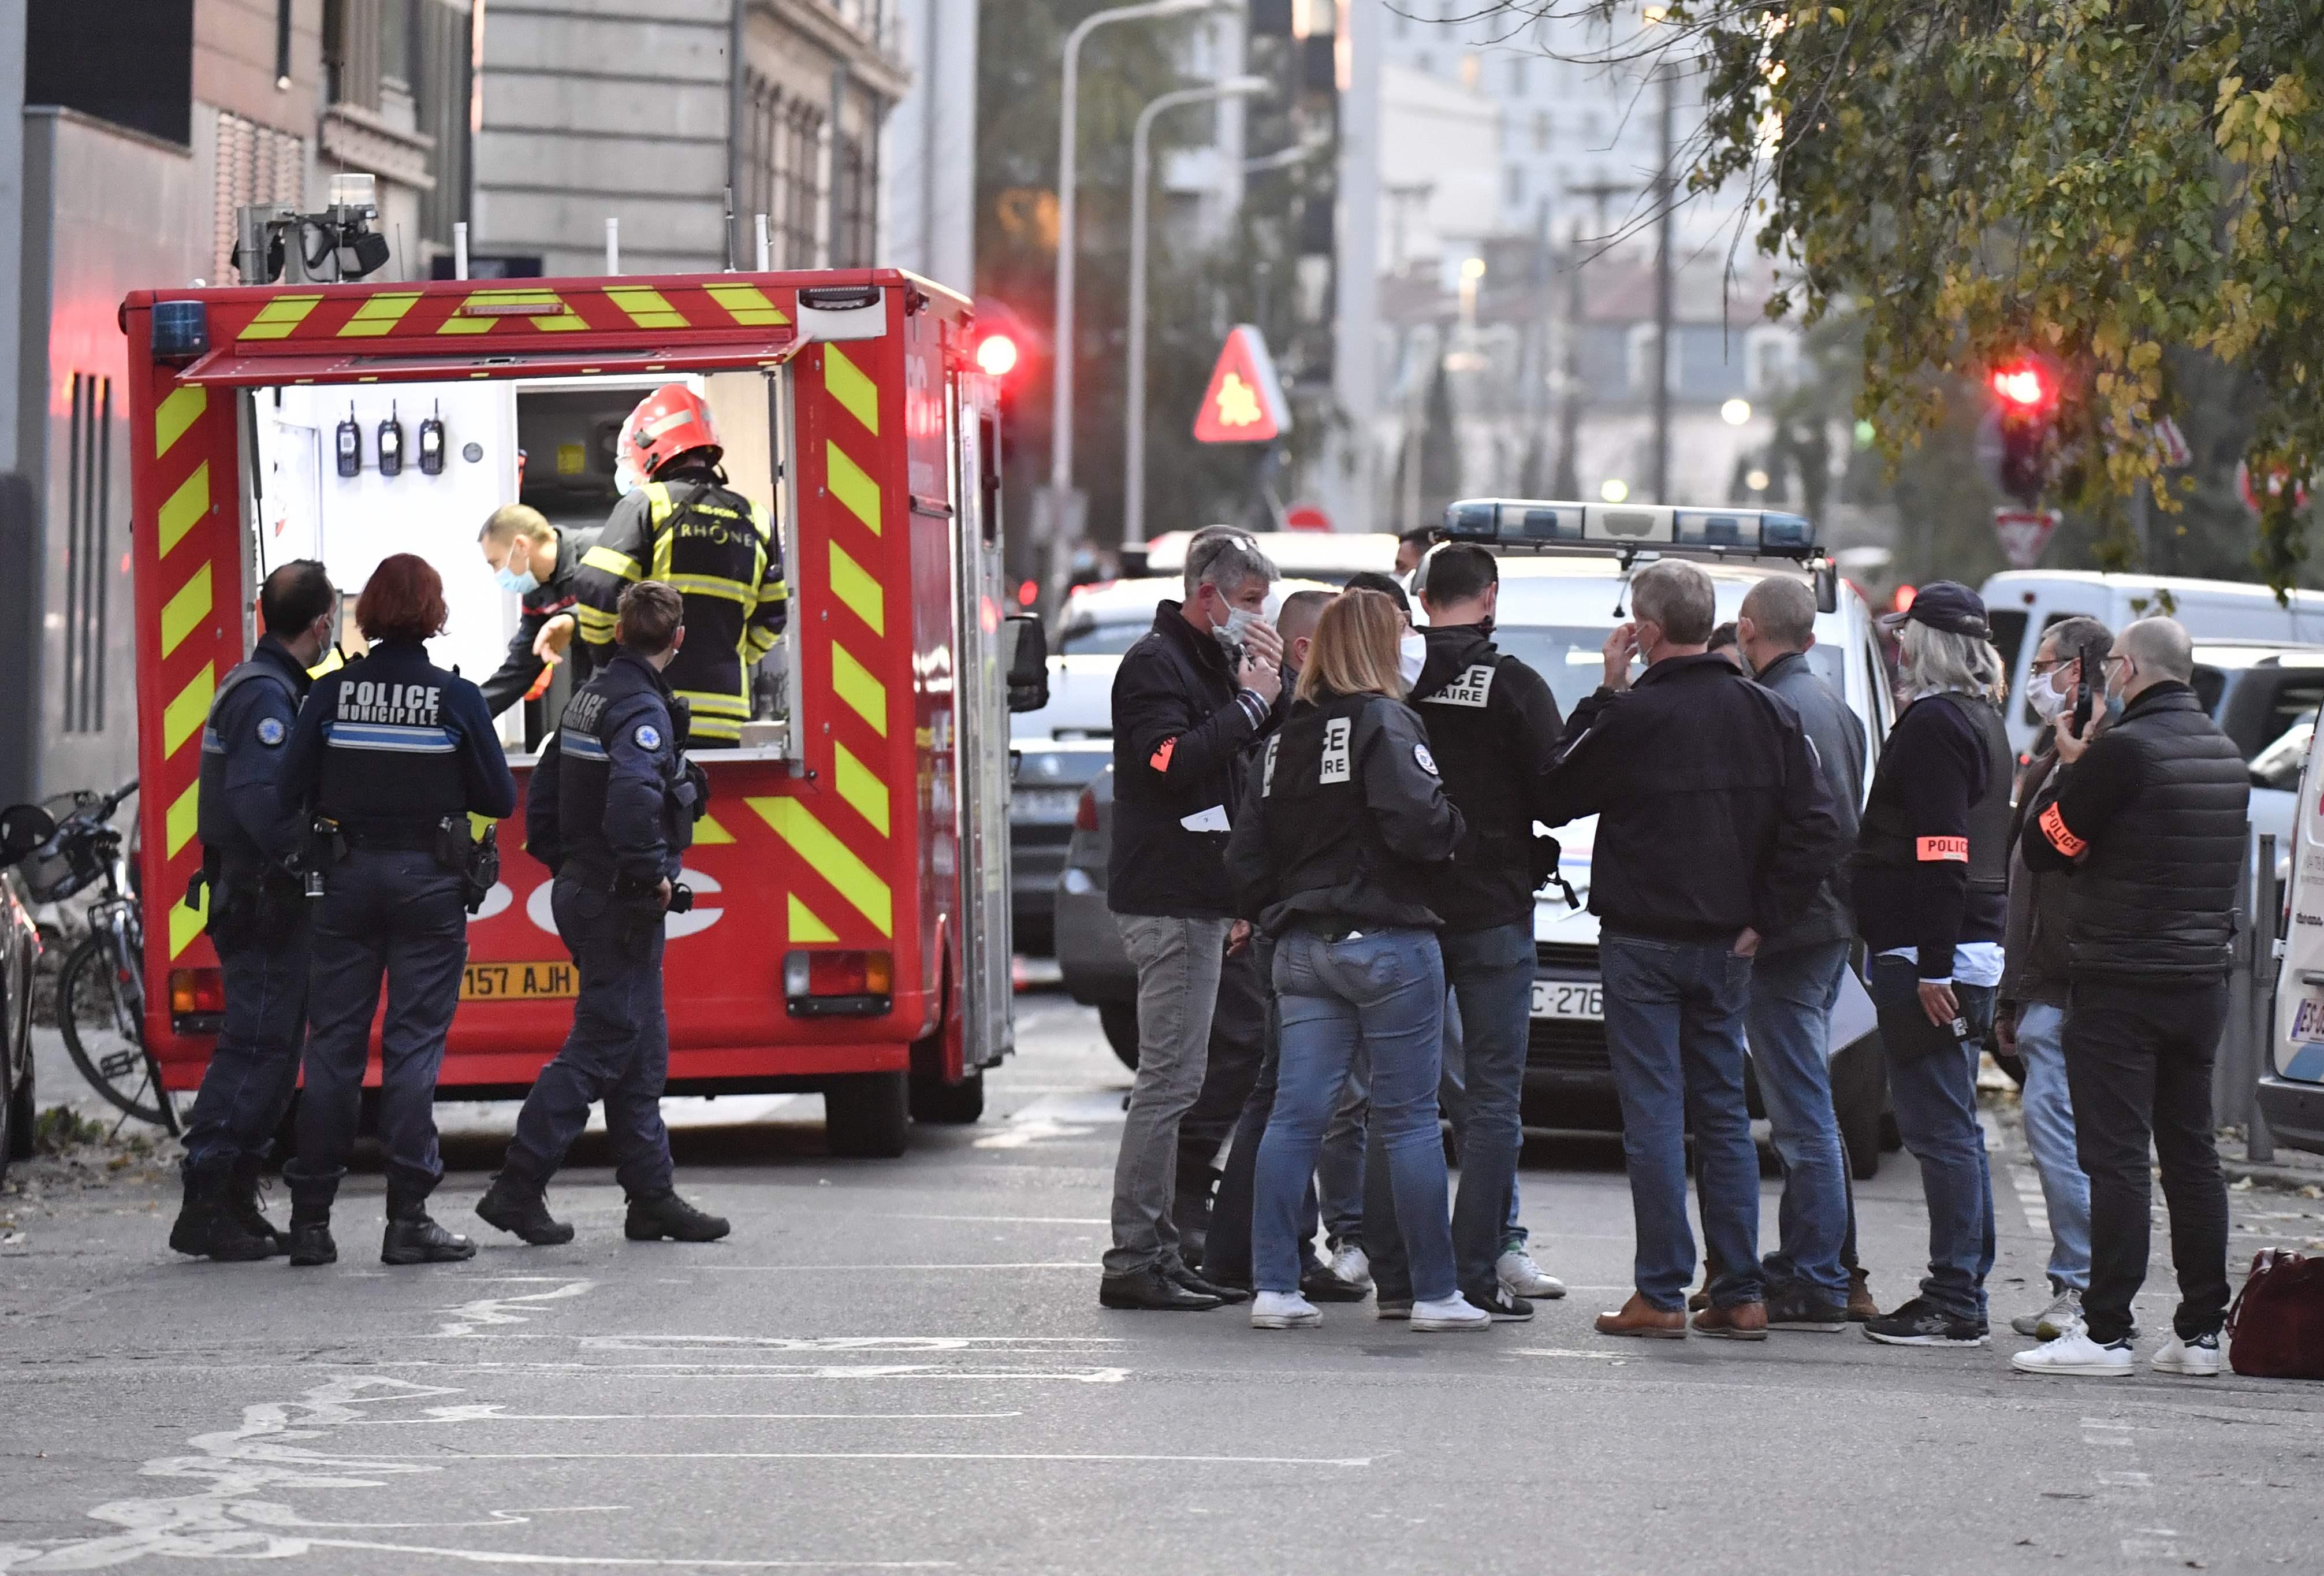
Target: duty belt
400	837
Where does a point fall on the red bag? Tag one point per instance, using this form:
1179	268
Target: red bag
2276	1329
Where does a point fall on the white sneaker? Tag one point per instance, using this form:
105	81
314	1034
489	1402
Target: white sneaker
2198	1359
1524	1278
2076	1353
2064	1311
1349	1263
1452	1312
1283	1310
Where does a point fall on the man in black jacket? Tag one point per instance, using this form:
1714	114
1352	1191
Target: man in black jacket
1188	700
539	562
1795	979
1494	729
1714	828
2153	818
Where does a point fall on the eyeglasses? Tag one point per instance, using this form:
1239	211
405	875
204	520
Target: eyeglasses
2115	656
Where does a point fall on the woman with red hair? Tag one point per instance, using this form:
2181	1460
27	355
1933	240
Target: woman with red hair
394	753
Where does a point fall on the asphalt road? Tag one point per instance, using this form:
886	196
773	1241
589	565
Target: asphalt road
902	1366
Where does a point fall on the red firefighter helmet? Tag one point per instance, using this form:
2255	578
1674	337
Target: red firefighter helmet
666	422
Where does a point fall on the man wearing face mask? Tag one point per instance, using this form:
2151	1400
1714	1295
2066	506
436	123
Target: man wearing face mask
1188	700
1494	728
537	563
2030	1014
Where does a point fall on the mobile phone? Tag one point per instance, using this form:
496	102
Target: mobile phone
2089	684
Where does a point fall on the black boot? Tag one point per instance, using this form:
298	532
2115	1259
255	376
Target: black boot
310	1217
206	1227
521	1208
243	1190
654	1216
411	1238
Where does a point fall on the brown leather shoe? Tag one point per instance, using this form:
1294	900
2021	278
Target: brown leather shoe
1862	1308
1738	1321
1641	1318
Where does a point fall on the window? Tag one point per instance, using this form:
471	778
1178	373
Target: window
1769	355
1517	74
1513	185
1471	69
1640	349
88	547
1541	131
783	173
855	186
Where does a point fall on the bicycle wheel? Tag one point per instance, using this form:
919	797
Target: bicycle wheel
101	1009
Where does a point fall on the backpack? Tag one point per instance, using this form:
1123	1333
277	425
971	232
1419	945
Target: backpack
2276	1328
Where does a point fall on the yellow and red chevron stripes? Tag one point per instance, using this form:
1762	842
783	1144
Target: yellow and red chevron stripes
305	317
188	556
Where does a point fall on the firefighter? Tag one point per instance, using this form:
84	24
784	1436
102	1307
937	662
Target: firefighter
612	807
393	754
684	527
538	562
256	916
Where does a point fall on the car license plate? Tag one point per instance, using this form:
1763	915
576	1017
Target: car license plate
1046	806
519	981
2308	1021
1583	999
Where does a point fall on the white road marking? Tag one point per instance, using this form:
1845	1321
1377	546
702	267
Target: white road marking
487	1412
2129	1491
998	1219
1559	1352
914	1268
225	1520
814	1371
2028	1185
844	1343
495	1311
465	1457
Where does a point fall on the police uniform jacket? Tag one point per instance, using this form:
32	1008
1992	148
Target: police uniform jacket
611	797
1494	729
719	550
1711	814
2153	823
1181	727
244	816
1930	868
389	745
1344	821
545	601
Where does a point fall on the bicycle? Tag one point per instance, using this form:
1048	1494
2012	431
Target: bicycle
101	987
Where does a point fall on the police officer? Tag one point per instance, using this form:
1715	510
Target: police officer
612	807
256	917
538	563
393	754
686	527
1332	853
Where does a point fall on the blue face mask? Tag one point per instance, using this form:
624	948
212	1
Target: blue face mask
518	583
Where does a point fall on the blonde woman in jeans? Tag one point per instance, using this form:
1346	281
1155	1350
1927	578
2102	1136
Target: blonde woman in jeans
1331	855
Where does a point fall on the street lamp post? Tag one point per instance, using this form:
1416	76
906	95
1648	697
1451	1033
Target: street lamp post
1133	505
1061	412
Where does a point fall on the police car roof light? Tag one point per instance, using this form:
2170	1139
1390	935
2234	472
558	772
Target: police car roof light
1629	528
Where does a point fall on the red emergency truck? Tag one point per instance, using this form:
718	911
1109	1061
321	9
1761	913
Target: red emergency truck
851	934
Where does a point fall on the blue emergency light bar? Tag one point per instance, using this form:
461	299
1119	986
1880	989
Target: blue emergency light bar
1532	522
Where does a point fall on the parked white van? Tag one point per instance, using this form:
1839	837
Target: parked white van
2020	604
2292	1091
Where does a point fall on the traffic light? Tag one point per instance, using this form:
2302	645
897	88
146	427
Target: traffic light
2025	414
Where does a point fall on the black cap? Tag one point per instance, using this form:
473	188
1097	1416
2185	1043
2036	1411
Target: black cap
1946	604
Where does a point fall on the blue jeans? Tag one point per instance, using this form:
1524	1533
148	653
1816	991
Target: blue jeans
2048	1109
1932	1078
1383	990
1675	1032
1790	1018
617	1050
1340	1173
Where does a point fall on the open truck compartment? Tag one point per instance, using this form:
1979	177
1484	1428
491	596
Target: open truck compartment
853	871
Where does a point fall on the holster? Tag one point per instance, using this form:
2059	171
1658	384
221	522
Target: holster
1547	852
637	915
477	861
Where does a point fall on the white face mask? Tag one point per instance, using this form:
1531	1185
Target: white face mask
2047	696
1411	656
1238	620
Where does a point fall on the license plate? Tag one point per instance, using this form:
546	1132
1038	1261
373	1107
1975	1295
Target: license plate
555	981
2308	1021
1047	806
1584	1000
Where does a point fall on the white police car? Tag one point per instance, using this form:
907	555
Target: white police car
1564	569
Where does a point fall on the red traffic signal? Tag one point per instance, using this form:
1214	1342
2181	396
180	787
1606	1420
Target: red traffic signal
2021	383
996	355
